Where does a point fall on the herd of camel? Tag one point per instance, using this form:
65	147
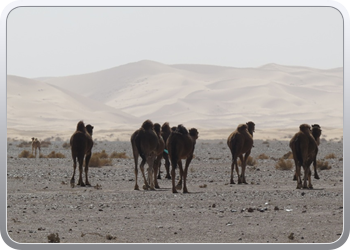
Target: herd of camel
153	142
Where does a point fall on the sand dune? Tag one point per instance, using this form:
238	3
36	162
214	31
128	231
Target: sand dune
204	96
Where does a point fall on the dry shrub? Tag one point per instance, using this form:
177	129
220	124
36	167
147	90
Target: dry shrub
284	164
323	165
97	162
66	145
263	157
53	154
265	142
42	156
101	155
250	161
26	154
119	155
288	155
330	156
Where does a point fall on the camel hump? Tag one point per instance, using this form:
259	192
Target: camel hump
242	128
305	128
157	128
81	126
181	130
147	125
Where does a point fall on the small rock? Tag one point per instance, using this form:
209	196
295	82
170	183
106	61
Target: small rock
291	236
250	210
276	208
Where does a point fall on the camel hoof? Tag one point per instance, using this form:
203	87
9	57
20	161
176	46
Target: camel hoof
157	186
174	191
168	177
158	177
136	187
232	182
316	177
311	187
185	191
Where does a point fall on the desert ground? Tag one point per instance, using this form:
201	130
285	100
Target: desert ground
42	206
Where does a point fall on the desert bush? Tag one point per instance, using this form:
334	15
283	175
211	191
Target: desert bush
263	157
323	165
119	155
66	145
42	156
284	164
330	156
26	154
97	161
101	155
250	161
288	155
53	154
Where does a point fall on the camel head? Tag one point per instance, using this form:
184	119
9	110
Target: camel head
251	127
316	132
173	129
89	129
32	138
181	130
194	133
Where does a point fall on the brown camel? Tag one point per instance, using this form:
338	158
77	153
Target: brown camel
159	155
304	148
35	145
144	142
81	144
316	133
165	132
181	144
240	142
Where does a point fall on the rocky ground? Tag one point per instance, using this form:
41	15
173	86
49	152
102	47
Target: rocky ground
41	205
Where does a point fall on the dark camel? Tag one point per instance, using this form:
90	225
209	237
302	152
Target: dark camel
304	148
165	132
81	144
240	142
35	145
181	144
316	133
144	142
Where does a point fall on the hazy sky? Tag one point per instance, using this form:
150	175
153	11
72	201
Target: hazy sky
59	41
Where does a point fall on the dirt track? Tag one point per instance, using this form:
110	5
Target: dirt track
268	209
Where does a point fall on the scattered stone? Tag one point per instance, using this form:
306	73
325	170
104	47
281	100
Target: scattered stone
53	238
276	208
250	210
291	236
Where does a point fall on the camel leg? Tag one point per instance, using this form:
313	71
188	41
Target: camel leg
136	157
297	173
315	169
306	176
150	162
188	161
240	176
173	166
167	167
232	167
87	160
72	180
32	149
145	186
179	184
244	165
156	170
80	161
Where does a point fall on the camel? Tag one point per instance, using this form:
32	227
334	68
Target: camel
316	133
81	144
35	145
240	142
165	132
144	142
159	155
304	148
180	145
